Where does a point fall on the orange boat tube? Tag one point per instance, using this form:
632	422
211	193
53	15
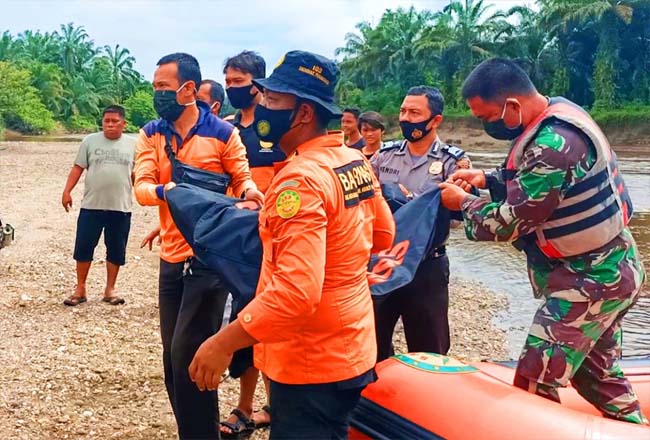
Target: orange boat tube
428	396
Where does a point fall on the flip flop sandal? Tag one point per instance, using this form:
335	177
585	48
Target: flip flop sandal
241	429
266	409
74	300
113	300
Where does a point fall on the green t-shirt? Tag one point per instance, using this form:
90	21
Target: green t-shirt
108	164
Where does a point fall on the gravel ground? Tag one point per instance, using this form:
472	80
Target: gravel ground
94	371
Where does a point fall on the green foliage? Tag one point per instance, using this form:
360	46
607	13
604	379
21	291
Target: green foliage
560	82
20	105
139	109
629	116
72	78
604	87
81	124
594	52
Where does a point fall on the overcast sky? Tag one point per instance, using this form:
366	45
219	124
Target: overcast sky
209	30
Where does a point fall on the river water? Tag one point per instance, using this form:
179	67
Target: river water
503	269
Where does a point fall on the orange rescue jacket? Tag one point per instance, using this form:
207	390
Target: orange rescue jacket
313	315
212	145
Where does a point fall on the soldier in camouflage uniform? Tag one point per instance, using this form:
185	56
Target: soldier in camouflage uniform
560	199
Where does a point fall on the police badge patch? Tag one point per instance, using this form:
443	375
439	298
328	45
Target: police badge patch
435	168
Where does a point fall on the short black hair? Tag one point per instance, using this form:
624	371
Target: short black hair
496	79
188	67
374	119
115	109
248	62
353	110
217	93
434	98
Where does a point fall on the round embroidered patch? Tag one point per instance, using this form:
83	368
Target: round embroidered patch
287	203
263	127
435	168
434	363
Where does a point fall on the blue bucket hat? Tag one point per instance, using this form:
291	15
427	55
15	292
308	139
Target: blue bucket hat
306	75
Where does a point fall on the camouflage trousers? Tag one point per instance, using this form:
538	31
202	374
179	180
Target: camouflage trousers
580	342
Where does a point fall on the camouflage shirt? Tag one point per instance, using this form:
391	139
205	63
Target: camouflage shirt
559	156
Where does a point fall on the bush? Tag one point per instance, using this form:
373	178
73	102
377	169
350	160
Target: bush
20	105
628	116
139	109
81	124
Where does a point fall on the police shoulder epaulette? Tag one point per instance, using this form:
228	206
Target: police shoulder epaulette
391	145
456	152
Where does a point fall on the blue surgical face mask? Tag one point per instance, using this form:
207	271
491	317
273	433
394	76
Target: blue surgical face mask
166	104
498	129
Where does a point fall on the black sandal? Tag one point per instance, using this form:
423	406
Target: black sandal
266	409
241	429
114	300
73	301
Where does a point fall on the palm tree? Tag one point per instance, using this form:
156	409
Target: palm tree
35	46
123	76
529	43
459	39
386	53
470	31
7	46
75	50
605	16
48	80
81	98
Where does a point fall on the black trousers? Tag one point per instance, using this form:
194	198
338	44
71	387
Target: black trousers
191	310
311	412
423	306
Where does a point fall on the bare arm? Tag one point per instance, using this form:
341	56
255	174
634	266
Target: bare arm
73	178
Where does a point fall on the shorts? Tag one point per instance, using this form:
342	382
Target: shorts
90	224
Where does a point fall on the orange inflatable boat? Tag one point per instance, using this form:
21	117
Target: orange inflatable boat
427	396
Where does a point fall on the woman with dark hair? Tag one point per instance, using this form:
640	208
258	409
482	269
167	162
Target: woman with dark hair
371	126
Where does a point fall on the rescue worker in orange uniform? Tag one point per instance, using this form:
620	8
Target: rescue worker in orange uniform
312	319
240	71
191	296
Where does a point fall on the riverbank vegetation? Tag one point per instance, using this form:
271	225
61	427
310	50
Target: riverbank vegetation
594	52
62	80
